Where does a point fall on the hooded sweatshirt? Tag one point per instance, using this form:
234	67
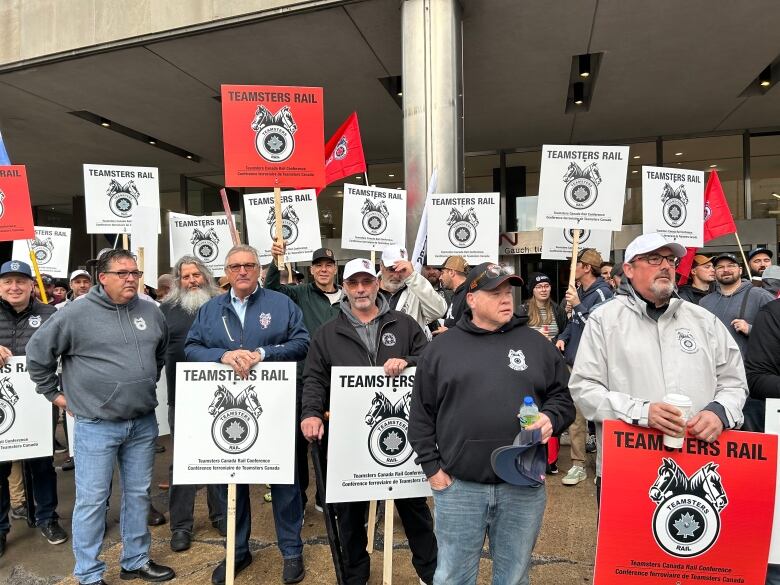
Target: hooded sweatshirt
597	293
111	356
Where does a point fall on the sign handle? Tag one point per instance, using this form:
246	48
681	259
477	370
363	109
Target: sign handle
387	562
575	244
371	524
125	242
229	214
141	268
278	218
230	545
38	279
744	259
373	258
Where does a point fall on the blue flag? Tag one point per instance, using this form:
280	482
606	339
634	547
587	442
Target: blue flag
4	160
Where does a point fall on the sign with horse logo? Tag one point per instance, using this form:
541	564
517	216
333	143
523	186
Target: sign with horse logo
672	200
373	218
51	247
772	426
16	221
674	515
207	238
22	436
557	242
463	224
113	193
233	430
273	136
300	224
582	187
369	454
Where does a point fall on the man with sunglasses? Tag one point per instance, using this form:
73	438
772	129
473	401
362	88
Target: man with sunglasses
248	325
468	388
646	343
109	379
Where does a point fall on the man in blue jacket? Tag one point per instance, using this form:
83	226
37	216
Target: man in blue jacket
248	325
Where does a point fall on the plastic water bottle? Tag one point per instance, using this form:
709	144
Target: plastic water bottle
529	412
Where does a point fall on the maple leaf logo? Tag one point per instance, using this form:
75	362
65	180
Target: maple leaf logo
686	526
392	441
275	144
235	431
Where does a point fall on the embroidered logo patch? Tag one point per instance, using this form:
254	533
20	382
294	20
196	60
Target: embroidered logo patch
34	321
388	339
265	320
517	360
139	323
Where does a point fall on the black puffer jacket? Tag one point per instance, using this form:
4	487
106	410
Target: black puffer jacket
17	328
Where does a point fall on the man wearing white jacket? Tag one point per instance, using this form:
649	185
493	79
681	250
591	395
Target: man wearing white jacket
646	343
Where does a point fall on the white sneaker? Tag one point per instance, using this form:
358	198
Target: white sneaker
575	475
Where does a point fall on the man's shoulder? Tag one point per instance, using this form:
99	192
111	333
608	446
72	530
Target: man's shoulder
42	309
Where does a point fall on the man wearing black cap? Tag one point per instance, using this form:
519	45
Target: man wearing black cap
319	302
702	280
20	316
759	260
468	388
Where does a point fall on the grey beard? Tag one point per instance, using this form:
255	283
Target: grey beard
390	286
190	300
661	293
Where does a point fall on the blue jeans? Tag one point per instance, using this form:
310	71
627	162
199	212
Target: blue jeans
97	445
465	512
44	491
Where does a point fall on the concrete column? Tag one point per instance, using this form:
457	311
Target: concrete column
432	102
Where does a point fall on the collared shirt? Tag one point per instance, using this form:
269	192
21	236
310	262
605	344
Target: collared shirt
240	305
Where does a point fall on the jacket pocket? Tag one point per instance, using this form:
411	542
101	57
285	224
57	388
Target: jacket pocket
129	400
472	461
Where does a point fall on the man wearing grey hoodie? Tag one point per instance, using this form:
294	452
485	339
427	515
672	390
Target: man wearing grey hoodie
110	378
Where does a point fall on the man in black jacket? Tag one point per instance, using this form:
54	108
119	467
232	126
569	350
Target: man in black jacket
20	316
366	333
702	280
468	388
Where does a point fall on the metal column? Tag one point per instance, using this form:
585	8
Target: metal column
432	102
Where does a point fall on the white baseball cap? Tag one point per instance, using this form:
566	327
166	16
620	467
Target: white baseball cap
650	243
393	254
77	273
357	266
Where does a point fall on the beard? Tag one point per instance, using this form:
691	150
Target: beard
390	286
190	300
662	292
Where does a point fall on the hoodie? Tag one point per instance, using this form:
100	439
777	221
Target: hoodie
597	293
111	356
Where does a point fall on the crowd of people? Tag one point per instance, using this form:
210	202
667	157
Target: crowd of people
617	341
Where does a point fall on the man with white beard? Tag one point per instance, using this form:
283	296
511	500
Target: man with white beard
193	285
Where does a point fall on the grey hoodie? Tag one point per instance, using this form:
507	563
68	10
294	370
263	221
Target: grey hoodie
367	331
111	356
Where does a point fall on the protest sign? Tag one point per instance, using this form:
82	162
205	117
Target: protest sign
463	224
300	224
582	187
557	242
273	136
772	426
23	412
207	238
369	454
672	515
16	222
51	247
673	204
233	430
373	218
143	236
112	193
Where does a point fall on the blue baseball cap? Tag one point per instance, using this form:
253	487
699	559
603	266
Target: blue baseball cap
16	267
522	463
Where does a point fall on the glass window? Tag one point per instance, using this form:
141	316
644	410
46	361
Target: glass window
479	172
765	176
642	153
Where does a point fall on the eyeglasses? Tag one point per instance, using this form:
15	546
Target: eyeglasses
492	271
125	274
248	266
656	259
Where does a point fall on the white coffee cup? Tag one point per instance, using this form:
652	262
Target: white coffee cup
684	404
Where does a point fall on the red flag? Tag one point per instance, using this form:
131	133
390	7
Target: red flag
344	152
685	265
718	220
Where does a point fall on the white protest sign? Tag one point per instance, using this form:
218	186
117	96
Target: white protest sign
207	238
772	427
373	218
25	415
300	224
463	224
582	187
112	193
557	242
673	204
143	234
369	454
52	250
230	430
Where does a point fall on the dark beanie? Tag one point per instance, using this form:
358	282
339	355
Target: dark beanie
536	278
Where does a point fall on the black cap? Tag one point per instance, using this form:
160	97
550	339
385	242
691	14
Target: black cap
522	463
321	253
46	279
725	256
488	276
766	251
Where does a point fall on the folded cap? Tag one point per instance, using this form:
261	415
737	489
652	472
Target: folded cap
766	251
16	267
77	273
393	254
590	256
357	266
650	243
488	276
457	263
321	253
701	259
522	463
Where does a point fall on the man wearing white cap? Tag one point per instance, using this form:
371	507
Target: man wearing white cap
409	291
80	282
646	343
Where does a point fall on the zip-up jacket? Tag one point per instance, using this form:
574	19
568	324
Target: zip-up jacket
597	293
628	360
337	343
762	363
420	301
468	388
272	322
16	329
111	356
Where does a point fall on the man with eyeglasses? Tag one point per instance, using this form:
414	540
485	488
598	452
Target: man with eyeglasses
468	388
112	347
647	343
248	325
702	280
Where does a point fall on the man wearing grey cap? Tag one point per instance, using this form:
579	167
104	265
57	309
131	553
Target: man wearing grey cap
647	343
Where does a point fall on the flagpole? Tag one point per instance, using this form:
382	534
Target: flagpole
744	258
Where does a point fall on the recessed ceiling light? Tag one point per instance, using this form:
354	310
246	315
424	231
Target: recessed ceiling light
678	154
152	141
584	66
765	78
636	156
105	123
713	166
339	192
634	172
391	175
578	93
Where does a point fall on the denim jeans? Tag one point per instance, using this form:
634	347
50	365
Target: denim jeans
97	445
465	512
44	491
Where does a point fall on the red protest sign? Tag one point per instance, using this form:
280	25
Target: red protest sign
273	136
684	515
16	222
